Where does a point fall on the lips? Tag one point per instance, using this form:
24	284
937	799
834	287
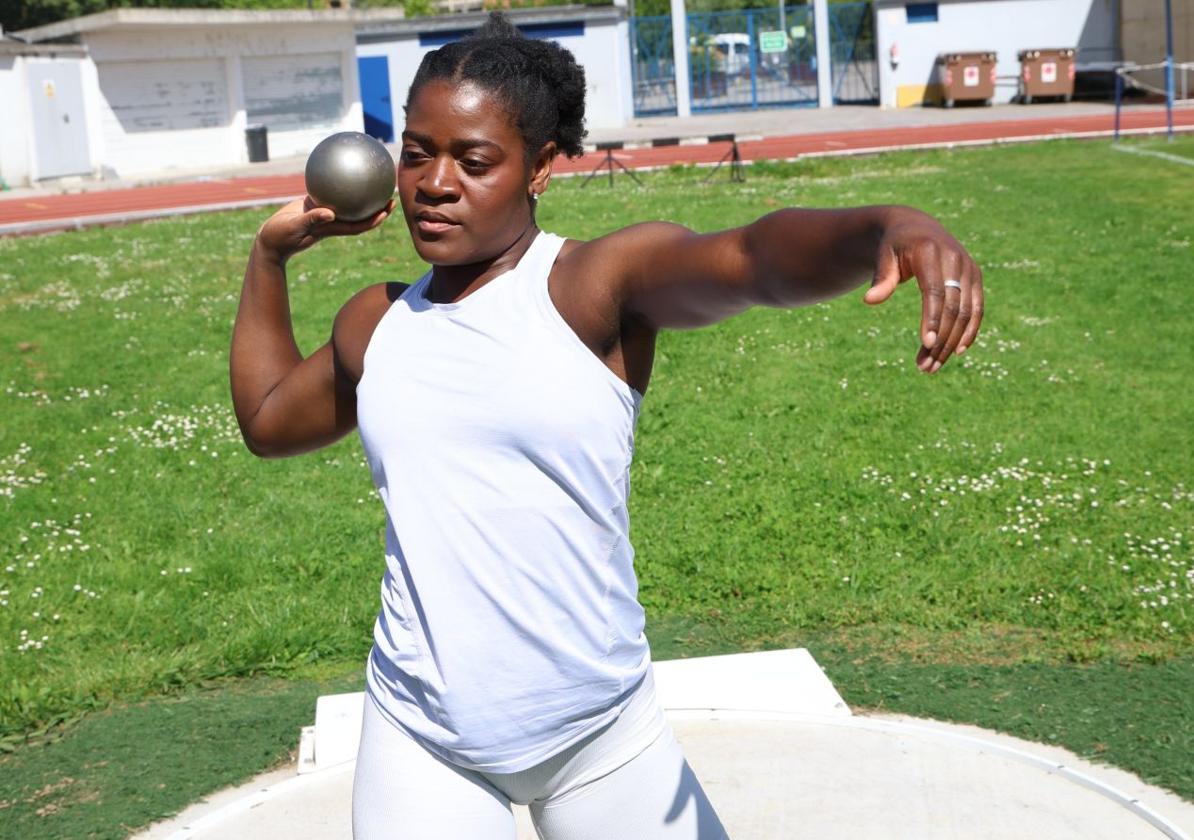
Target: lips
429	221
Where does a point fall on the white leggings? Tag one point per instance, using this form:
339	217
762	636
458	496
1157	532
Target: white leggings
402	791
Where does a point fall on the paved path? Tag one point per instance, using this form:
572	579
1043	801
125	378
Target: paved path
36	210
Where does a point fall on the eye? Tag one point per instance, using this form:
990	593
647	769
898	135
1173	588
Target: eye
474	164
412	155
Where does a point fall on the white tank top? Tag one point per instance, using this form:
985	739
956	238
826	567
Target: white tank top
500	445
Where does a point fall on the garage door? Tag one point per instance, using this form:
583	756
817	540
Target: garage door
164	96
293	91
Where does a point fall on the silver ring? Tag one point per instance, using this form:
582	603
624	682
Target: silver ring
953	284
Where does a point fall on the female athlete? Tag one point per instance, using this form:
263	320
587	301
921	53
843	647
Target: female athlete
496	400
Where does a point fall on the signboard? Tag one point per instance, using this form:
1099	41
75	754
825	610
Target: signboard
970	76
798	32
1049	71
773	42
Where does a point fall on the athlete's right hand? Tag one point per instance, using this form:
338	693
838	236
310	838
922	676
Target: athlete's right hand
300	224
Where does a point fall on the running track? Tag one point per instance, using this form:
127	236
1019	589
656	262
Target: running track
31	214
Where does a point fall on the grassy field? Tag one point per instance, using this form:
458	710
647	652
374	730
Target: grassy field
796	481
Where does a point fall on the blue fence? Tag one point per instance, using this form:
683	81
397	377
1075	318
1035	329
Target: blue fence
756	58
852	53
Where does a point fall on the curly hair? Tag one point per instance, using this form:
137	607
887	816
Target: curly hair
538	81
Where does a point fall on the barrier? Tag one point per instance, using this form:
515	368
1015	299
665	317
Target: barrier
609	161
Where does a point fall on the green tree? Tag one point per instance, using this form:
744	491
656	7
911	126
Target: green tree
22	14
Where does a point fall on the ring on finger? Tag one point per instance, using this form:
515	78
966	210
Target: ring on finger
953	284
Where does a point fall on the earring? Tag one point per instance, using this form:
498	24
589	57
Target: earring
535	197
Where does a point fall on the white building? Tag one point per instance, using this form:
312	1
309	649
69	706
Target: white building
36	89
131	92
910	35
160	89
598	36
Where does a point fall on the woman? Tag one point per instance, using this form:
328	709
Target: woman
496	399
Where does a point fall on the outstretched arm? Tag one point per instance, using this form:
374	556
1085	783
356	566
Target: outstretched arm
672	277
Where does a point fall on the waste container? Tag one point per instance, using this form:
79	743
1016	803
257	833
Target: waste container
966	77
256	136
1046	72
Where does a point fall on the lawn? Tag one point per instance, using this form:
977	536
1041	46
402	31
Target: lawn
1026	514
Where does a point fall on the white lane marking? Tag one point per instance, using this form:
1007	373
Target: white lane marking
1150	153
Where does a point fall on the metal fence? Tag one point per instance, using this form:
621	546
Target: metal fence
652	66
855	72
755	58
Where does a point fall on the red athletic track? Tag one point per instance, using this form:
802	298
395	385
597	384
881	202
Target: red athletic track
143	201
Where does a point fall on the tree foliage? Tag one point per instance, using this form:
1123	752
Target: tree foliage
22	14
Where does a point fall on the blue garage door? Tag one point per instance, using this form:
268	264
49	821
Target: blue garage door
375	97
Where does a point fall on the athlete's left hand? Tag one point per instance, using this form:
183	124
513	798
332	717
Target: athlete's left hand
915	244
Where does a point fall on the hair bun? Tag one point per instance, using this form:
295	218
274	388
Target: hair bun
538	80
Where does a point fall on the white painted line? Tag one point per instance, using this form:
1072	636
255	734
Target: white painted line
996	141
1159	822
80	222
1151	153
1135	806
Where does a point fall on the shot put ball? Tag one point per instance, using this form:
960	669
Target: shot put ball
351	173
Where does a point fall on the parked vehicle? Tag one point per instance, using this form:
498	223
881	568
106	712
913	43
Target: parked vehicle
734	48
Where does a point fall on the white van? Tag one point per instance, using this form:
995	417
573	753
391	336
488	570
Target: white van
734	48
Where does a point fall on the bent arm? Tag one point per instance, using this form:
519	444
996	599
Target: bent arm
284	404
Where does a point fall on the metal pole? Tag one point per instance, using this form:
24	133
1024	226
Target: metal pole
1169	68
680	59
1119	96
824	35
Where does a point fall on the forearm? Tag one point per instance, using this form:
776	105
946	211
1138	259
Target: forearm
263	345
801	256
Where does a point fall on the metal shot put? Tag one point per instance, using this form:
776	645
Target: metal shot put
352	174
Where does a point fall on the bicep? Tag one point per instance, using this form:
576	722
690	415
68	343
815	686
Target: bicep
675	278
314	405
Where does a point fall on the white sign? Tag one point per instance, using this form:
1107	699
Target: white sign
970	76
1049	71
773	42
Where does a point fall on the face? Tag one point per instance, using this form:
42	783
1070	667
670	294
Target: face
463	177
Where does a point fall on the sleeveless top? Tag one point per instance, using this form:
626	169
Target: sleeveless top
500	445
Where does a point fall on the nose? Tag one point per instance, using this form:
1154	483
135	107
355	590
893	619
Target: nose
439	179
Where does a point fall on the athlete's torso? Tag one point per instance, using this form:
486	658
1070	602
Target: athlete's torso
583	295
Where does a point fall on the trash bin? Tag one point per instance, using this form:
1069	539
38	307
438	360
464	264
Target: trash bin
966	77
256	136
1046	72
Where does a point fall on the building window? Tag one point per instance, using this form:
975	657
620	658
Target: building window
921	12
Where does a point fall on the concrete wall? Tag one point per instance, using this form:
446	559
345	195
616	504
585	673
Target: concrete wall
603	50
179	97
1001	26
1143	35
14	128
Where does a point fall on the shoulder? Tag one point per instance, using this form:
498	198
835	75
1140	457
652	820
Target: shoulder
609	264
356	321
625	245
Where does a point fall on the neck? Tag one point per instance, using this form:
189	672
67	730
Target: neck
451	283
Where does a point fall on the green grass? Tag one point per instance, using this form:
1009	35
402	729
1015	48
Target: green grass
796	479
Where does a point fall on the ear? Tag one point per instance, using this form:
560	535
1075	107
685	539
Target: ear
541	168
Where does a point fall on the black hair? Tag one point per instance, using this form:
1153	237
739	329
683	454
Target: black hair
539	81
